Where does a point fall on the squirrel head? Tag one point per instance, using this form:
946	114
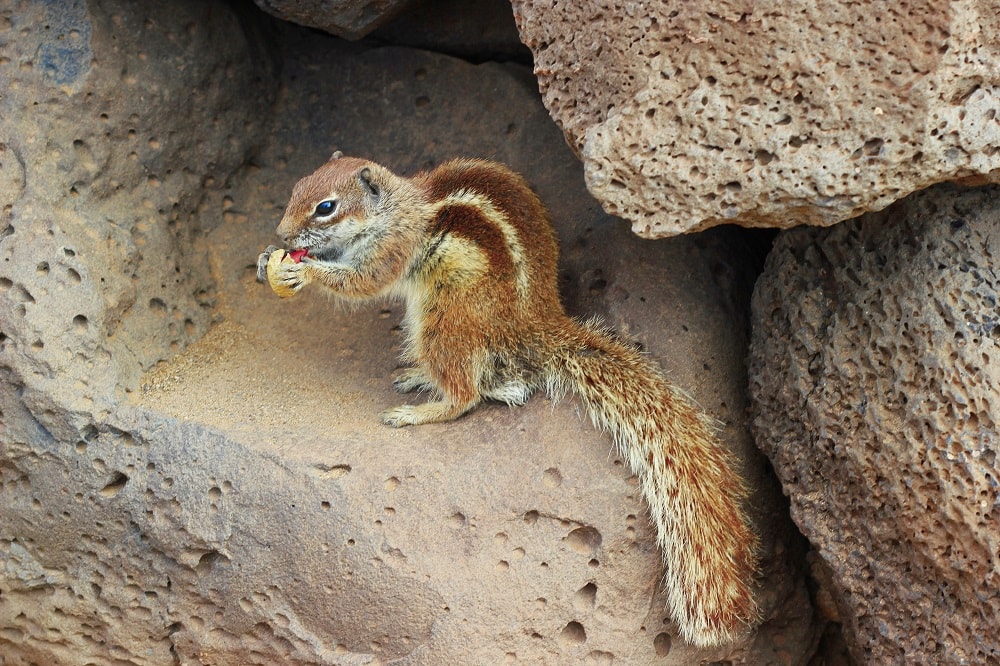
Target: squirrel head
334	205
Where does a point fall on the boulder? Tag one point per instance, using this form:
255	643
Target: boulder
689	115
350	19
191	468
875	376
474	30
108	188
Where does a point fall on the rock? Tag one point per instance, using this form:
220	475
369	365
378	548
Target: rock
192	471
876	381
107	188
688	116
350	19
474	30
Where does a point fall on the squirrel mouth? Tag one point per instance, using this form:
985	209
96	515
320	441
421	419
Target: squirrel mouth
298	254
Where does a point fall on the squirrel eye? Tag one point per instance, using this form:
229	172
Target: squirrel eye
324	208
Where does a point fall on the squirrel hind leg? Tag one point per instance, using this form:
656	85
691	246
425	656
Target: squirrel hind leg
413	379
453	370
513	392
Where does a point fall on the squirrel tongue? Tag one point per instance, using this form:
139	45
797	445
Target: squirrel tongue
298	254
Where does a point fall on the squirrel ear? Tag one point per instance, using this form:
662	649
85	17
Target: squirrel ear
365	176
336	155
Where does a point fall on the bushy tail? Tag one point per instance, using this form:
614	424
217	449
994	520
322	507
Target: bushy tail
689	481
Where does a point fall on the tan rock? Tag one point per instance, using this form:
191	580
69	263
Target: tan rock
691	115
239	503
876	381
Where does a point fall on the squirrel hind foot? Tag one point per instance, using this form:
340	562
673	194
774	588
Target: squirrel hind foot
429	412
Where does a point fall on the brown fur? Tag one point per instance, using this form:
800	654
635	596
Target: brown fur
469	248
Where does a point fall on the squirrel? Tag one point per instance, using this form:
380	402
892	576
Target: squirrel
470	249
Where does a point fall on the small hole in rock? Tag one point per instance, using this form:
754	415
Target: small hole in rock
763	157
573	633
586	597
115	485
662	644
209	560
584	540
552	478
873	147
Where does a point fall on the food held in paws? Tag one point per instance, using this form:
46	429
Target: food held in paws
277	258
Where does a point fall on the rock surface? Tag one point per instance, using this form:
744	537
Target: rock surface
106	187
350	19
474	30
875	369
692	115
238	503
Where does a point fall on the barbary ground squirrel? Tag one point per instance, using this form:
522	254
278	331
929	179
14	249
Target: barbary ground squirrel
470	249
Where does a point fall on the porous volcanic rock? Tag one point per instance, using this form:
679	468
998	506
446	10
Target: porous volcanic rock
689	115
350	19
191	468
875	374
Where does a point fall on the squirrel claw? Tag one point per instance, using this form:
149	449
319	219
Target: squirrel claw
262	259
397	417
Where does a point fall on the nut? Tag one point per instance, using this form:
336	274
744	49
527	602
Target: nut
277	258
